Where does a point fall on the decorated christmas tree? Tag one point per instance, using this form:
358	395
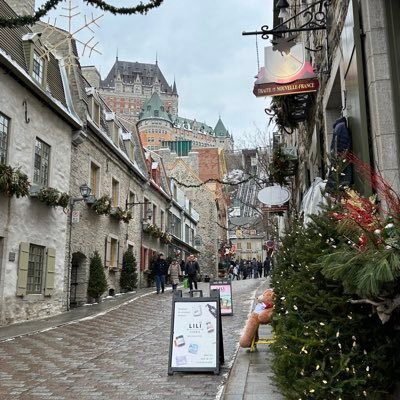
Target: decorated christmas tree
128	278
326	347
97	284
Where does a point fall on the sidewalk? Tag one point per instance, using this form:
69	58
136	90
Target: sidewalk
67	317
251	374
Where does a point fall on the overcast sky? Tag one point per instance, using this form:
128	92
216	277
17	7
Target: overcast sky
200	43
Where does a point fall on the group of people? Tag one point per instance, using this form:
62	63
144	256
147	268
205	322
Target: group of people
245	269
175	270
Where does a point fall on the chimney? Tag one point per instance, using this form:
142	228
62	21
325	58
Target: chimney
22	7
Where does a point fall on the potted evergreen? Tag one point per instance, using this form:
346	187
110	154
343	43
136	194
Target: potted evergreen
97	284
53	197
128	278
13	182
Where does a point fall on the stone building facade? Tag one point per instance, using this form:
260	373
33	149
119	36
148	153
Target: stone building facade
37	126
359	80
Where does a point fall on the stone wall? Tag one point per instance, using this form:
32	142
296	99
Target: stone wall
203	201
29	220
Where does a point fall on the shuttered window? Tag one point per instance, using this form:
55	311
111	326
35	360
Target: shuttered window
114	252
35	269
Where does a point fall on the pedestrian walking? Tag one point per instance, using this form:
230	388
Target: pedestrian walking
267	266
174	270
192	269
259	267
159	270
254	268
236	272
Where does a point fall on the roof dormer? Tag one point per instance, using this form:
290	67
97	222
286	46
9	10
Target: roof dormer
35	57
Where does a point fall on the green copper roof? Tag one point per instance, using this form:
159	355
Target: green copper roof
154	108
220	130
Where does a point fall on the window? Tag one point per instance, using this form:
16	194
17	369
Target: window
162	222
248	245
187	234
41	167
146	206
115	193
239	246
94	178
37	68
35	269
96	112
4	124
191	237
131	200
113	253
154	214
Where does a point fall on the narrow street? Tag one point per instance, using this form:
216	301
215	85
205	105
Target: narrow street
122	353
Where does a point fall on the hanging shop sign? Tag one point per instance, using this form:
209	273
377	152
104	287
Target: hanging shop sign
286	72
196	334
274	195
274	209
275	89
225	295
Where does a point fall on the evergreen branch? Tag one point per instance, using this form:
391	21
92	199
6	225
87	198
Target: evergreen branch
383	308
24	20
139	9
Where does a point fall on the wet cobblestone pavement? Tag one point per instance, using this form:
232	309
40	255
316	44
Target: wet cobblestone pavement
119	353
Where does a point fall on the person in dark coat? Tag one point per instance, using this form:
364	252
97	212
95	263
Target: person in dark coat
160	269
267	266
192	268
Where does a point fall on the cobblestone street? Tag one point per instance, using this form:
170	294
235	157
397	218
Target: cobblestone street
122	353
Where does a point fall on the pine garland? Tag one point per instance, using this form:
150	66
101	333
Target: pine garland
24	20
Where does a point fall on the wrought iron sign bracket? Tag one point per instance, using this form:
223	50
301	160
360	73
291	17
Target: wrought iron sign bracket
314	15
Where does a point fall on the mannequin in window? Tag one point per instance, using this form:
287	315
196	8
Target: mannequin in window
341	143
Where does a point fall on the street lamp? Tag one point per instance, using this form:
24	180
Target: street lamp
85	191
282	6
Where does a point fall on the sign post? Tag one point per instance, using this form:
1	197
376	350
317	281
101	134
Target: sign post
225	294
196	334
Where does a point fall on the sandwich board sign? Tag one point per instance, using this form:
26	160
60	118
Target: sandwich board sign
225	295
196	334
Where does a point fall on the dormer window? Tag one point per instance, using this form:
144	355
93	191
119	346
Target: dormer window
34	57
95	112
37	67
156	113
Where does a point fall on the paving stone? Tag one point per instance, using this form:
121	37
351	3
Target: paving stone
122	353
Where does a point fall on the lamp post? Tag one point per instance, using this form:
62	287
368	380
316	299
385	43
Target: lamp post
85	193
